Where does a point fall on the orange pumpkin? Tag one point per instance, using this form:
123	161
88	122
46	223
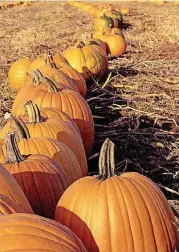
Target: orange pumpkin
98	42
17	74
118	213
116	44
87	60
40	178
32	233
10	188
7	206
45	87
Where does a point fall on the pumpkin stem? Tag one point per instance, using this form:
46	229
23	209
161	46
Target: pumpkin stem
19	127
49	60
33	112
81	44
37	78
12	151
106	160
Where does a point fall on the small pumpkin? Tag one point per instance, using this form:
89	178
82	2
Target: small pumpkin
118	213
10	188
116	44
87	60
40	178
32	233
17	74
7	206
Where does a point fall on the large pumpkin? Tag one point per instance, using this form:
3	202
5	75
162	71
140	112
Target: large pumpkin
10	188
41	179
87	60
57	129
7	206
118	213
17	74
70	102
115	41
32	233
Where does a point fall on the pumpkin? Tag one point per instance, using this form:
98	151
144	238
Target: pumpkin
103	22
56	61
10	188
40	178
7	206
118	213
87	60
32	233
17	74
57	129
116	44
40	76
40	86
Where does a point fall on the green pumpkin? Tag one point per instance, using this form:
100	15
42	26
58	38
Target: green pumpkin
103	22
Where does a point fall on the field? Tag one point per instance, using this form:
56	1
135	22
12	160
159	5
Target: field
139	107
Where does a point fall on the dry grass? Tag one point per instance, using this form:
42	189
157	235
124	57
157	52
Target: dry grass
143	118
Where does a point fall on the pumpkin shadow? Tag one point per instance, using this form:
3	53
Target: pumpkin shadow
43	191
126	26
78	226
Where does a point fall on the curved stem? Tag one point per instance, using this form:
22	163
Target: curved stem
19	127
38	78
106	160
80	44
33	112
12	151
49	60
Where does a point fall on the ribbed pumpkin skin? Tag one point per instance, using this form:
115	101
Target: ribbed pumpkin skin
56	150
58	60
103	22
17	74
122	213
32	233
10	188
59	130
7	206
86	61
75	107
95	41
77	78
42	181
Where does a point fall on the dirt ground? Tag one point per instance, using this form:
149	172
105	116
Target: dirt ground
139	108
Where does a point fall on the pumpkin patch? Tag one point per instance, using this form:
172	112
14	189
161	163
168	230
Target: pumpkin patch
89	126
